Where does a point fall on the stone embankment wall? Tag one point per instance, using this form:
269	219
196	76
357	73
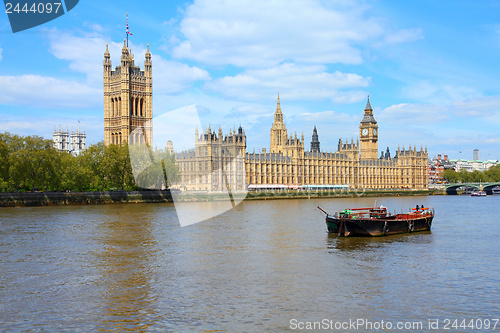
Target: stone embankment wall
81	198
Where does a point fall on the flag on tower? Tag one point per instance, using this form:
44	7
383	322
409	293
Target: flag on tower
128	32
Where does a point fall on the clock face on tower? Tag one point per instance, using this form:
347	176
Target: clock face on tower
374	131
364	131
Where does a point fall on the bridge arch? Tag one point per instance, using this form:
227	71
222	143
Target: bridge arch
451	189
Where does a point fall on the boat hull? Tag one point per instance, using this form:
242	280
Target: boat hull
367	227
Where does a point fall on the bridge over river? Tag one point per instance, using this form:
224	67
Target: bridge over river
487	187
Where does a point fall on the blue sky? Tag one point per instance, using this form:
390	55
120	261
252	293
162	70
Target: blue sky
430	67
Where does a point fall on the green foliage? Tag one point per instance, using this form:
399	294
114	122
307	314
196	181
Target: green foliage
31	163
463	176
493	173
153	169
451	176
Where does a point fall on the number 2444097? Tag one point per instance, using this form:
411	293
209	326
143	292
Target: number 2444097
34	8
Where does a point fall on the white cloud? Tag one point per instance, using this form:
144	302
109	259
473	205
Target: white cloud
329	117
172	76
265	33
478	107
47	92
85	52
437	93
297	82
409	115
44	124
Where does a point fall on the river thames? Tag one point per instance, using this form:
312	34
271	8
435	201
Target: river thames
264	266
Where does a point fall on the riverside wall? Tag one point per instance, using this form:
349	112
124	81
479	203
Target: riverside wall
31	199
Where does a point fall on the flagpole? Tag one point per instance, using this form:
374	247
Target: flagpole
127	31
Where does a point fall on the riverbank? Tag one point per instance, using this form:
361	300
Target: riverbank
339	194
32	199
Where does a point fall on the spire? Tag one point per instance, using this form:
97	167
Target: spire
125	53
106	53
278	106
315	141
278	115
368	107
368	116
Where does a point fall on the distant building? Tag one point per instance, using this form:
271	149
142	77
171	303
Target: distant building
170	147
78	141
436	167
473	165
74	143
476	155
61	139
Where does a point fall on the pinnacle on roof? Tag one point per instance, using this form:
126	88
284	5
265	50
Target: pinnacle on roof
368	106
278	107
368	116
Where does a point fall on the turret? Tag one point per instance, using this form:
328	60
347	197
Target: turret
278	133
148	65
125	55
107	62
315	145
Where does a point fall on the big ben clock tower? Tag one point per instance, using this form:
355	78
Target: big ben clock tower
368	134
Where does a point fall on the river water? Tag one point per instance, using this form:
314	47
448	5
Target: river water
264	266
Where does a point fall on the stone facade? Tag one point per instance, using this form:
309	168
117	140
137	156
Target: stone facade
354	164
128	99
74	143
217	163
60	139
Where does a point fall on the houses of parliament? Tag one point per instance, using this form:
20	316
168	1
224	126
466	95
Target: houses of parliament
220	162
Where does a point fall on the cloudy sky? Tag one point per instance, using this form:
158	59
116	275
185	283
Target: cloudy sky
430	68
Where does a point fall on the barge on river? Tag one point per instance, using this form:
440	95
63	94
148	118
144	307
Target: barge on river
377	221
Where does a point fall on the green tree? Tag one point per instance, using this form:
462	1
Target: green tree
171	169
32	166
493	173
92	175
153	169
4	161
451	176
117	168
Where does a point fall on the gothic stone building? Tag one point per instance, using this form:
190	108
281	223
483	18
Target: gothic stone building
128	99
217	163
74	143
287	163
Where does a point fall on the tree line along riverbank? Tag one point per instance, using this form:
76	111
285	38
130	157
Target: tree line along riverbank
31	163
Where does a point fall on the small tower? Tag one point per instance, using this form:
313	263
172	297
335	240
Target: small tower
278	131
368	133
315	141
